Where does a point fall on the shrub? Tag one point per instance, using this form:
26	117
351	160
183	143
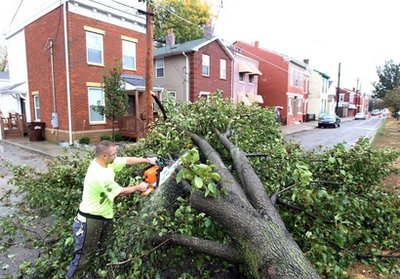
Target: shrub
84	140
105	137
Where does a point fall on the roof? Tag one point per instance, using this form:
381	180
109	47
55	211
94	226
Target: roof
12	88
135	82
189	46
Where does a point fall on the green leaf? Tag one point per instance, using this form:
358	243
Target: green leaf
198	182
215	176
212	187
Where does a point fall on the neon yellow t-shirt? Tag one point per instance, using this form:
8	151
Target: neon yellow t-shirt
100	188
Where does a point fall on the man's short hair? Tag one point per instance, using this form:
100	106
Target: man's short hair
103	146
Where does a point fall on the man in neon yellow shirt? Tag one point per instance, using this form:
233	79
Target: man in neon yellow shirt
93	224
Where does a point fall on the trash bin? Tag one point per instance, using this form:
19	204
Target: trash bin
310	117
36	131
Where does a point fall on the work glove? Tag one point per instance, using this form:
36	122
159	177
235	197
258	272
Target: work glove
152	160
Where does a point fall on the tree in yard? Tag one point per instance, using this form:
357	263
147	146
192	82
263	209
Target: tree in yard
389	78
115	96
186	18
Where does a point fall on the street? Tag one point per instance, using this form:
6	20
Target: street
348	132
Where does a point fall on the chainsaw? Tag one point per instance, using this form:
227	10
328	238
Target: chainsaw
157	174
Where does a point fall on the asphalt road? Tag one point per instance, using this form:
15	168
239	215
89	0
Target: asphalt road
14	249
348	133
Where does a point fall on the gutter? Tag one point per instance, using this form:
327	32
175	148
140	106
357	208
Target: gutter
186	76
67	78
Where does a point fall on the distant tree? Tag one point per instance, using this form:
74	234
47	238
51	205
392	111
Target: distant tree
3	58
392	100
187	18
115	96
389	78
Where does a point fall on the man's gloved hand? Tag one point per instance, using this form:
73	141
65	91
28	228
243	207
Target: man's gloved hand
152	160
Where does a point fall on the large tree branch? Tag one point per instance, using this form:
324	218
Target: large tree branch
250	181
228	181
201	245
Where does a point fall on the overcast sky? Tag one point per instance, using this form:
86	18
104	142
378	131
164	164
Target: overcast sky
359	34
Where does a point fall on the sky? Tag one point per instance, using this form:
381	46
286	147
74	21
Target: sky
359	34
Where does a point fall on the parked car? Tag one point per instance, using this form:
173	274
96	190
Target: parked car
329	120
375	112
360	116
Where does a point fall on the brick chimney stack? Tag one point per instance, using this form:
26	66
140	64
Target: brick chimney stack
170	39
256	44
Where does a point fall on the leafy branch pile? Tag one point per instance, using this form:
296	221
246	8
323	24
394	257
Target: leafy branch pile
330	200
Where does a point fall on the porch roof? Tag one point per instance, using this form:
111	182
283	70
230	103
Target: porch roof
138	83
15	88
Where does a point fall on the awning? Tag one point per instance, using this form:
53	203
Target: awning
246	68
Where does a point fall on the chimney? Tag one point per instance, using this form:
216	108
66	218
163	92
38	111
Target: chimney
256	44
170	39
306	61
208	31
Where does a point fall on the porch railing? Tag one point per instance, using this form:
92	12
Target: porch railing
132	127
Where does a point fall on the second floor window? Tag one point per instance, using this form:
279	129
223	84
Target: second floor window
128	55
222	69
94	48
159	68
241	77
206	65
96	98
36	103
341	97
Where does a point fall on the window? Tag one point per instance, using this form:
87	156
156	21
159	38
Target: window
241	77
128	55
94	48
206	65
251	79
36	103
341	97
290	106
160	68
299	105
169	95
204	95
96	98
222	69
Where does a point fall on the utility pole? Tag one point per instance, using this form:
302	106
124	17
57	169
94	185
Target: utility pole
337	93
149	61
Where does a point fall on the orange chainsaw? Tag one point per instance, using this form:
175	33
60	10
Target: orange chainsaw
159	173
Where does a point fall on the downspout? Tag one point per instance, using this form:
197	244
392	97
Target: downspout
186	76
67	73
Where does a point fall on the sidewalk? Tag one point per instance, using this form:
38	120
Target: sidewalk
44	148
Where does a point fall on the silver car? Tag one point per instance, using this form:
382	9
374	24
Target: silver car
329	120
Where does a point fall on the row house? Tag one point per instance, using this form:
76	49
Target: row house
350	102
321	98
194	69
68	47
284	83
245	80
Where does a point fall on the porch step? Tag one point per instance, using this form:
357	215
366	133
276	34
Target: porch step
13	133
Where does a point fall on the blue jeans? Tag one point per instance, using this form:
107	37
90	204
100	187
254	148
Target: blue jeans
91	239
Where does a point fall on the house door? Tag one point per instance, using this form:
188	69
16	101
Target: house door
131	106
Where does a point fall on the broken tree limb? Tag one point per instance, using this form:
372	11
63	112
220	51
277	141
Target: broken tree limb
201	245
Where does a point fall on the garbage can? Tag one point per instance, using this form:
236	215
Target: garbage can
310	117
36	131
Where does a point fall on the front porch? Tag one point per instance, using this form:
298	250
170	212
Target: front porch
13	126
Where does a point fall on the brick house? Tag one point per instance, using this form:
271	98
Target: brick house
284	83
69	46
194	69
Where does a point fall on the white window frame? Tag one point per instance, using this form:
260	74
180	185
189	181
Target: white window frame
203	94
128	53
299	105
290	105
36	105
222	68
160	68
205	62
169	94
241	77
251	79
94	102
341	97
95	45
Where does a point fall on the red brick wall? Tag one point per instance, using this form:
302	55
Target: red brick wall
39	68
212	83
